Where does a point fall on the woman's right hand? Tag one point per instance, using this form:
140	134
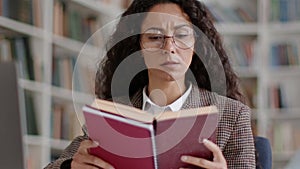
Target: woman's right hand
82	159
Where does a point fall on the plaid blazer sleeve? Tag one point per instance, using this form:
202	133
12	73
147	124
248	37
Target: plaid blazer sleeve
239	150
68	153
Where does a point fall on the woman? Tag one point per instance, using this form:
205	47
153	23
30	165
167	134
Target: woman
179	65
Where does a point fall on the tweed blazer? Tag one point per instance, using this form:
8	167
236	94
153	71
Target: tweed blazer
234	135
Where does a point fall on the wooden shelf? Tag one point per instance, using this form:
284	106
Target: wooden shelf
58	92
75	46
285	28
67	43
33	140
237	28
285	71
284	114
22	28
31	85
68	95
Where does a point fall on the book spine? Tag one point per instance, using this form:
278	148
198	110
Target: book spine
154	147
275	10
283	10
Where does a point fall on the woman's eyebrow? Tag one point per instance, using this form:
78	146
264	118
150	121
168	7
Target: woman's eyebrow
182	25
155	28
162	30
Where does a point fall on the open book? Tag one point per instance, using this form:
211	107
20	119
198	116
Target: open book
132	138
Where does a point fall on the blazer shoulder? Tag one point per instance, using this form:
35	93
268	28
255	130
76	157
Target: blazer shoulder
226	102
228	107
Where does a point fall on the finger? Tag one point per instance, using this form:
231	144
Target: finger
85	145
218	156
200	162
92	161
75	165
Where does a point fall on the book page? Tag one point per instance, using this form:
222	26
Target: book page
186	113
123	110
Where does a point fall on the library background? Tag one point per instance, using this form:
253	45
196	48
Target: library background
45	37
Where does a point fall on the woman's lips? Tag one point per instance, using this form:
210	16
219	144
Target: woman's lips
170	64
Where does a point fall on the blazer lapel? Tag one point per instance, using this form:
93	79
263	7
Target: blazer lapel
198	98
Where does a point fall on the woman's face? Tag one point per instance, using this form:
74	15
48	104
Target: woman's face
167	58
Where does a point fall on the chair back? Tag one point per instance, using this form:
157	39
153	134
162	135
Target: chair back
263	153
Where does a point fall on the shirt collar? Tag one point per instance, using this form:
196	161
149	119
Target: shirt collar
175	106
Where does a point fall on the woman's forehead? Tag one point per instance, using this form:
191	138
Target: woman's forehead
169	8
165	16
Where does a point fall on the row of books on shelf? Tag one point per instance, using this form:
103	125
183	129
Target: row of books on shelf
285	10
284	136
232	14
19	49
284	94
276	96
281	95
31	109
68	72
62	71
285	53
29	60
31	12
27	11
70	22
242	53
64	122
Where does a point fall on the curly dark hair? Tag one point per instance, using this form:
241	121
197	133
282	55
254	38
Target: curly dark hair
201	18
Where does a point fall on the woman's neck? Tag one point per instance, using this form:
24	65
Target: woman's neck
164	93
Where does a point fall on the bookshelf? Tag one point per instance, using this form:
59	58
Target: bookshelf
271	81
257	34
47	43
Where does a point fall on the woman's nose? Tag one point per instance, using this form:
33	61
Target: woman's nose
169	46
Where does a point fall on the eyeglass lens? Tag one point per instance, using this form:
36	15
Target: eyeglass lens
154	39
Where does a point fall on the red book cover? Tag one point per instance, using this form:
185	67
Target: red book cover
185	139
122	142
131	138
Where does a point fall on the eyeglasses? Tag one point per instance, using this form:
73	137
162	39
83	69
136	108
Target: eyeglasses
154	39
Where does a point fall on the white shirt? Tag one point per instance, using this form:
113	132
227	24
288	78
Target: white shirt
151	107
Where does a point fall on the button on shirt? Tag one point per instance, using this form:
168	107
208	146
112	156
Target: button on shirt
153	108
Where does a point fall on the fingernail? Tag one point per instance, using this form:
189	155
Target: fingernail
97	143
184	158
201	140
205	140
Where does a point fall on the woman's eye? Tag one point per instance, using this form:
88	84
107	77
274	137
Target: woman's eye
180	36
155	37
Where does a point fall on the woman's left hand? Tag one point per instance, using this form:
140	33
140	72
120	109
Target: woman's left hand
218	162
